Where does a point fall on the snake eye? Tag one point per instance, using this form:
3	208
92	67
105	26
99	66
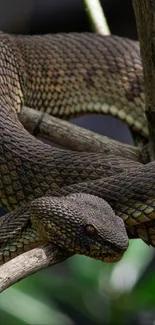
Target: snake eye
90	230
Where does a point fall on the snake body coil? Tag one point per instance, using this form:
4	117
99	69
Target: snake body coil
64	75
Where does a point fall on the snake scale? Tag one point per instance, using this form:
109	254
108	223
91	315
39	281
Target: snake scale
68	75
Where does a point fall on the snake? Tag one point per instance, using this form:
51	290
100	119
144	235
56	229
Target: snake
51	193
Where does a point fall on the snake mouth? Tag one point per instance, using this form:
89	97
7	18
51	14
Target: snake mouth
106	252
108	256
113	259
112	253
112	256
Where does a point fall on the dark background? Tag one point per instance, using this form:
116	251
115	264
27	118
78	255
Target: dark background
81	290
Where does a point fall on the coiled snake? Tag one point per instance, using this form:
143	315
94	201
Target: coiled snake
68	75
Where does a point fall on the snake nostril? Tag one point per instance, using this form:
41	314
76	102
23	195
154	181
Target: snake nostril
90	230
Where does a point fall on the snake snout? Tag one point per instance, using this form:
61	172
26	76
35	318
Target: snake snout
113	252
122	243
120	240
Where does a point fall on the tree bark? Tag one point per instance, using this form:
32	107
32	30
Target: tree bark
145	19
28	263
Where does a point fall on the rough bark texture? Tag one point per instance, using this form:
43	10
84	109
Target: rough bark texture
145	19
29	263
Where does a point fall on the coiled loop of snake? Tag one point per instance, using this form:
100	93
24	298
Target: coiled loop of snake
68	75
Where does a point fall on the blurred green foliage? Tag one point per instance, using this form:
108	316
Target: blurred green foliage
84	291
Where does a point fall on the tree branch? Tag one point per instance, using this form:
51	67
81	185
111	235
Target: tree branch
76	138
145	19
29	263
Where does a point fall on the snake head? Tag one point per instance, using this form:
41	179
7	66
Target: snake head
81	224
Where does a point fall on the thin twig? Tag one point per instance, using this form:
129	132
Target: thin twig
97	17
